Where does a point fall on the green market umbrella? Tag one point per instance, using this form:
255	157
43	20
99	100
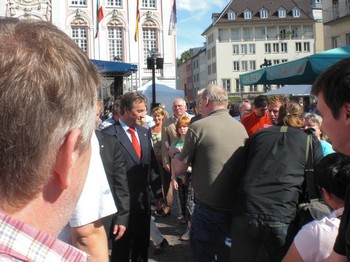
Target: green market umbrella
300	71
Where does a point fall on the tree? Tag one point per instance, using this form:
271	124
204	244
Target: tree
184	56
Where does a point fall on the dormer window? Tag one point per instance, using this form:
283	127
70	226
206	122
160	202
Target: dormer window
263	13
231	15
247	14
281	12
296	12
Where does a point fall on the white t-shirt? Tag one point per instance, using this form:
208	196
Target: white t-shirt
315	240
96	200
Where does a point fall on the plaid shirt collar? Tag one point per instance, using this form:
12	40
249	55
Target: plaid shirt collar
21	242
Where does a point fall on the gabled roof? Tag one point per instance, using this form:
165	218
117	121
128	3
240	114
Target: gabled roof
239	6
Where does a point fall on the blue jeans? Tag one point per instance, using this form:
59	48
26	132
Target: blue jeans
208	234
250	234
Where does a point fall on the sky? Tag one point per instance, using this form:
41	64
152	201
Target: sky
193	17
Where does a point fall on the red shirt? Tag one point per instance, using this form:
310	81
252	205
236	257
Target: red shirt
253	123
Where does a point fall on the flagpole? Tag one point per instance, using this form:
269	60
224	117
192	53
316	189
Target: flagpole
137	34
93	27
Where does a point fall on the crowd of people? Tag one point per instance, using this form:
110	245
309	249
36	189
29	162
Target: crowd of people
66	174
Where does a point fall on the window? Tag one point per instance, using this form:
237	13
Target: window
235	49
210	38
276	61
268	48
276	47
224	35
284	48
298	47
296	32
78	2
149	3
336	41
117	3
231	15
115	43
214	68
271	32
253	88
226	84
243	49
149	37
247	14
306	46
79	35
213	52
247	33
251	48
347	39
244	65
308	32
209	54
235	34
296	12
263	13
281	13
260	33
238	88
283	34
284	60
209	69
252	65
235	66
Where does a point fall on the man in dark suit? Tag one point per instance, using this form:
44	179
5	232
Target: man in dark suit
135	241
114	165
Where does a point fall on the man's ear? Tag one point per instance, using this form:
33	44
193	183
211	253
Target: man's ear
347	112
206	101
326	195
66	157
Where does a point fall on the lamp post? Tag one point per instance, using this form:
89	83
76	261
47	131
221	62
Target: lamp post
154	62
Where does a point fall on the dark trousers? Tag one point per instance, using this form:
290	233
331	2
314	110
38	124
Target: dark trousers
135	242
209	231
251	235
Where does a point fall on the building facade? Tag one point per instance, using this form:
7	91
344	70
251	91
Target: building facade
248	35
117	38
336	18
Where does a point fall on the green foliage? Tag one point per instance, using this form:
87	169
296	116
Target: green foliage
184	56
233	99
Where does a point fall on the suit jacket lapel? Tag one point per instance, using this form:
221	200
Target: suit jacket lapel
126	143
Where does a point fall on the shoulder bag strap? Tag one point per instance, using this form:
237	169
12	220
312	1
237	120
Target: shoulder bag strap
309	169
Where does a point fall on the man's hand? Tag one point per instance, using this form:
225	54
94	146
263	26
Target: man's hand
118	230
175	184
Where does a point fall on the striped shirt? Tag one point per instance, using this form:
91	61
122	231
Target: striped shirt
21	242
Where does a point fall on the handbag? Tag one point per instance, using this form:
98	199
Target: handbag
313	207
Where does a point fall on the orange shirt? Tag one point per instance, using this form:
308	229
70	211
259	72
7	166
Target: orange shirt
253	123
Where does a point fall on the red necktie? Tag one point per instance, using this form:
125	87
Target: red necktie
135	142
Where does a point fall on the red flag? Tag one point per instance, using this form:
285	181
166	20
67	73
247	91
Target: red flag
136	37
99	15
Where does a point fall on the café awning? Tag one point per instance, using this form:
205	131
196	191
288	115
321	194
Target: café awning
297	72
292	90
110	68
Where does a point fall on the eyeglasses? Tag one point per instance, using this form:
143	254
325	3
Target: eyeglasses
177	106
